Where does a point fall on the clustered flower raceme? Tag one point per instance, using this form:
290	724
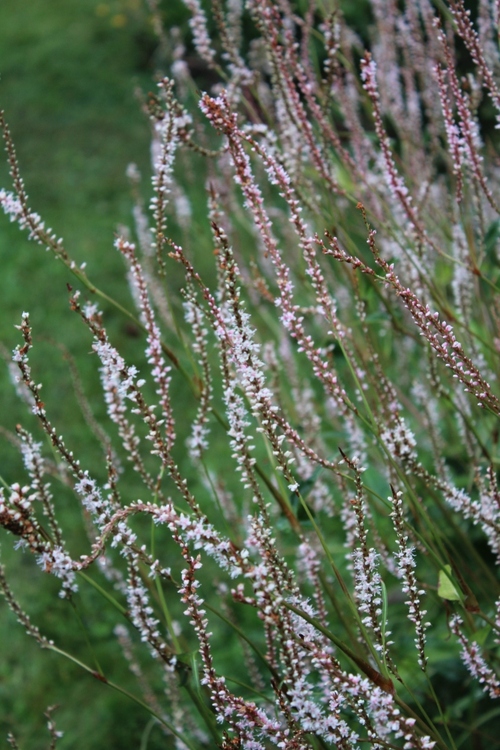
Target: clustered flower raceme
36	467
474	45
296	150
16	515
394	181
168	126
475	662
406	564
201	37
455	139
198	440
365	561
470	141
117	380
16	206
160	370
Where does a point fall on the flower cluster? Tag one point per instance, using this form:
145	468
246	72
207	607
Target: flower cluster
300	445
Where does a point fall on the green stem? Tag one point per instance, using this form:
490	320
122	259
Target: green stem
103	593
99	676
86	636
245	638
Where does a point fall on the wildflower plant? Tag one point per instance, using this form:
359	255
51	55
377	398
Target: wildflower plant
297	547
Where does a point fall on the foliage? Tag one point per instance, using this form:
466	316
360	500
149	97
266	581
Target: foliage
290	513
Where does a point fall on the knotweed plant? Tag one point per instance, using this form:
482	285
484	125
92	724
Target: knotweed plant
301	550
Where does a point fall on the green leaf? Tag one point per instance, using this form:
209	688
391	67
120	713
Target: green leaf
446	587
490	241
377	317
481	635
